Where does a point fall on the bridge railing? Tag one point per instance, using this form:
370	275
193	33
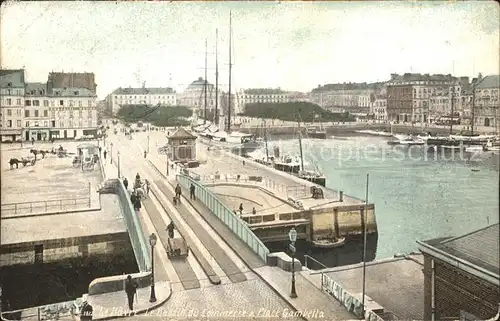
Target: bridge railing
63	310
226	215
46	206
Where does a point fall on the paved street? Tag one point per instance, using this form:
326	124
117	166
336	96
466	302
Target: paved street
250	297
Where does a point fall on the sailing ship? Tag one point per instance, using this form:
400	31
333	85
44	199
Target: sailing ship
317	132
217	136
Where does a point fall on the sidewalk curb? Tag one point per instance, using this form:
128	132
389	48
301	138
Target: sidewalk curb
286	299
141	311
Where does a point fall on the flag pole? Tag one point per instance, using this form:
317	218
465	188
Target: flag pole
365	217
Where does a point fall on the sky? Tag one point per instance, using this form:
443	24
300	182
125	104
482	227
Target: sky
290	45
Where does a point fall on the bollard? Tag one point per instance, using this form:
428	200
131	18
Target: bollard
341	196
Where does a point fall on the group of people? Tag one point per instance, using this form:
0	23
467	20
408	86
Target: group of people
140	191
178	193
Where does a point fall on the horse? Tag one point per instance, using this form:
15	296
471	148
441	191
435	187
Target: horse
14	161
139	191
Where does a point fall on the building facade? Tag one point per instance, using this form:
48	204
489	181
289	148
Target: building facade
12	89
409	96
486	102
259	95
140	96
355	98
194	97
461	276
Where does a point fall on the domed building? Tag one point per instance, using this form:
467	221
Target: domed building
194	96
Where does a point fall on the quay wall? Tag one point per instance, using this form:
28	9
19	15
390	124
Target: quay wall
347	128
60	249
348	217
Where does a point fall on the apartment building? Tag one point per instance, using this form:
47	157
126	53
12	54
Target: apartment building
12	88
259	95
486	103
194	96
409	96
140	96
355	98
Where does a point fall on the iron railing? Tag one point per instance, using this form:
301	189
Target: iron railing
226	215
47	206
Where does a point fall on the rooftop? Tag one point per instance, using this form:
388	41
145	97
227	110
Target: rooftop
11	78
410	77
492	81
396	284
480	248
143	91
71	92
263	91
199	83
181	133
36	89
349	86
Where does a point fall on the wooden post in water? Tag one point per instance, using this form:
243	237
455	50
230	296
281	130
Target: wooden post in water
365	217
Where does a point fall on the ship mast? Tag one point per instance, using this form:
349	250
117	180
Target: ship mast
452	105
473	104
300	149
205	86
229	94
216	115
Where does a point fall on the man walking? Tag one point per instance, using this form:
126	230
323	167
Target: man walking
191	190
130	288
178	192
105	153
125	180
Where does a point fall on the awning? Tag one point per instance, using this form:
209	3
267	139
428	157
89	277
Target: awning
11	131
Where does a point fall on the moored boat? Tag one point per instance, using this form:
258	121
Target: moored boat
329	243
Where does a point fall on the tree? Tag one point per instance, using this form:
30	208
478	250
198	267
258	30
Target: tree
162	116
294	111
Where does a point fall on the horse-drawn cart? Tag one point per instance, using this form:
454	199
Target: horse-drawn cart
28	160
177	248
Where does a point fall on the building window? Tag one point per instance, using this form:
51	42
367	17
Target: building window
79	103
61	124
90	103
52	103
9	101
26	113
45	113
9	112
19	112
46	103
90	113
61	102
80	113
36	113
27	102
27	124
19	124
9	123
36	103
70	103
18	102
53	113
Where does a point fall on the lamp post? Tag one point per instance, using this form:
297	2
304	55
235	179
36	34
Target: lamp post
118	164
167	165
292	235
152	242
111	153
148	143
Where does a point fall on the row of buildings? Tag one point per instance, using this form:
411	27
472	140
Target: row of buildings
418	98
65	106
403	98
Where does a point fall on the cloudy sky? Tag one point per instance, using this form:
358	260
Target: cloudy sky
295	46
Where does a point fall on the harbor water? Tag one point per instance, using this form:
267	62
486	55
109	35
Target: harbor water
418	194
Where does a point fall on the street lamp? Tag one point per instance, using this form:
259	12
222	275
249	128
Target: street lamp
118	164
148	143
152	242
292	235
111	153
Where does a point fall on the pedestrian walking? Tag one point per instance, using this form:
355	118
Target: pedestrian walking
241	208
145	154
254	211
178	191
125	180
138	203
170	230
147	186
100	150
131	289
133	197
86	311
32	140
105	153
192	189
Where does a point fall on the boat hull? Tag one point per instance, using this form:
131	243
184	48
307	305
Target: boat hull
287	168
316	135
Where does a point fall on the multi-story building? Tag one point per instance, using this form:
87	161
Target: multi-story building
259	95
194	96
461	278
12	88
298	96
72	80
355	98
486	103
409	95
140	96
36	112
73	112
